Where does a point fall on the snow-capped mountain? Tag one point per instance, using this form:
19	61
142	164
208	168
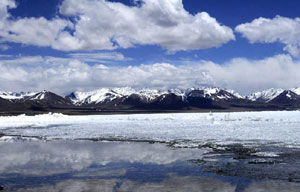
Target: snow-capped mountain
106	95
48	97
38	96
265	96
16	96
97	96
126	98
213	93
287	97
31	96
40	101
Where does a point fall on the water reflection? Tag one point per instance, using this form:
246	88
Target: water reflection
174	184
56	157
71	166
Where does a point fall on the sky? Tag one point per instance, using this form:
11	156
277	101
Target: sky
80	45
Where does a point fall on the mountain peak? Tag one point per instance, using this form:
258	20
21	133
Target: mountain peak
266	95
287	97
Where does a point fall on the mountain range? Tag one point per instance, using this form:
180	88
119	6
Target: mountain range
129	100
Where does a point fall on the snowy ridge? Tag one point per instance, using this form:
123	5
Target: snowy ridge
235	93
266	95
107	95
100	95
13	96
296	90
39	96
215	93
289	95
104	95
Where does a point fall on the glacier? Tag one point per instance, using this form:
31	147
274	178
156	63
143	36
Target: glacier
191	129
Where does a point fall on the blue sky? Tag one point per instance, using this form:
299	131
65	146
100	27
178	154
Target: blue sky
233	31
230	13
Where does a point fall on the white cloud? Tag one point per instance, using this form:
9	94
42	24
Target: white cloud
100	57
279	29
243	75
294	50
63	75
4	5
158	22
29	31
32	31
155	22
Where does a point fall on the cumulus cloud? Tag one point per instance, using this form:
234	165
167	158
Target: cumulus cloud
32	31
63	75
152	22
279	29
4	5
29	31
245	76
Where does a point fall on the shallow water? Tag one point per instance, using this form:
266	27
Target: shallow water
68	165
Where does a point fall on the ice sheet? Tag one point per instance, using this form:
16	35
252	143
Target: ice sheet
279	127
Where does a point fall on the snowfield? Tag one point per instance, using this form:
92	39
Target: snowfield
192	129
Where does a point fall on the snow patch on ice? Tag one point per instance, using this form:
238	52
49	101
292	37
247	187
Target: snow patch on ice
195	128
266	154
16	138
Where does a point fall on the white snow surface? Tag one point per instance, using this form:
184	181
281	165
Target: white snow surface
282	127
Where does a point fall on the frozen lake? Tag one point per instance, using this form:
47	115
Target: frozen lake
244	151
186	129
